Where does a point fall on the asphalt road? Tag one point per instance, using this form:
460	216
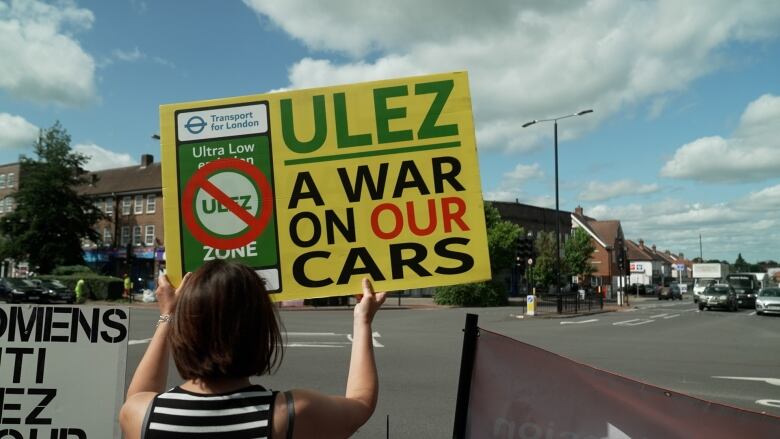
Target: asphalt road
668	344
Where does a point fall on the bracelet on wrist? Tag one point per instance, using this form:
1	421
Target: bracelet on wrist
164	318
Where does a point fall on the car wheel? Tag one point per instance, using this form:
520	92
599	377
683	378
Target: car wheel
701	307
760	313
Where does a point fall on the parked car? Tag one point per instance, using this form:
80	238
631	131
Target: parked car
19	290
719	296
55	291
768	301
672	292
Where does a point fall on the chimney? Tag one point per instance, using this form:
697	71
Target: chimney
146	160
93	178
578	210
641	242
682	256
654	249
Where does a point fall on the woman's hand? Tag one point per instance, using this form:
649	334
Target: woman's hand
166	294
368	303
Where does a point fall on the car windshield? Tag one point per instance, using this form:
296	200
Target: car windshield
740	282
770	292
712	291
16	283
55	283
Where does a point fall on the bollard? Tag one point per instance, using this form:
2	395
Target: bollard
530	308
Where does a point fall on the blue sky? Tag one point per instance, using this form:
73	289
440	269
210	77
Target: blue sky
684	139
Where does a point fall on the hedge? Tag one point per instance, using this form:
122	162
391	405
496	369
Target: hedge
96	287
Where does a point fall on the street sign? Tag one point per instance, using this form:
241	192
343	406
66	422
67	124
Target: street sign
316	189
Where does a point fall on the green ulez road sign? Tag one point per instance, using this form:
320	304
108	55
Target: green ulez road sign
227	202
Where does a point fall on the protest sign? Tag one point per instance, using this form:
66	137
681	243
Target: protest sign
515	390
316	189
62	371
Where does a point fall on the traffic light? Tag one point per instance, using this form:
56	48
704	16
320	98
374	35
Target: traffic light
524	250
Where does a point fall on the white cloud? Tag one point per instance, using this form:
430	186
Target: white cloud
599	191
101	158
750	155
128	56
511	185
726	228
42	61
526	60
16	132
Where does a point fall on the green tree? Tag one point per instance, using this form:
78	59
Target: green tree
577	252
544	265
51	219
740	265
501	238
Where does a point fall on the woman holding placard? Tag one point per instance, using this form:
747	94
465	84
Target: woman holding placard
222	328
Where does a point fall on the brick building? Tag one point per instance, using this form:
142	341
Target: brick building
9	183
609	254
131	238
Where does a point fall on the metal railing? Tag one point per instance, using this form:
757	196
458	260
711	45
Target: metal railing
567	303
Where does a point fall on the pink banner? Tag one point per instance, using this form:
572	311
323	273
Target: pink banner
519	391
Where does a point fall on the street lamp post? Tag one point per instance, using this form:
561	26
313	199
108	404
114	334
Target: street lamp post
557	206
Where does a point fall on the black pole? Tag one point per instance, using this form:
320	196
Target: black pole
557	230
470	334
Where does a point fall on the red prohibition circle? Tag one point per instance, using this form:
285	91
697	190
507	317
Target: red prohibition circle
199	181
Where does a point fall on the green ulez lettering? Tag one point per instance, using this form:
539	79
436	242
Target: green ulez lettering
383	114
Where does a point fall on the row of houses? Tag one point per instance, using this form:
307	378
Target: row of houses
618	261
132	233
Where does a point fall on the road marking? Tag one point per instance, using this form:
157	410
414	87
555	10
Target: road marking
317	345
658	316
306	344
672	316
581	321
752	313
633	322
772	381
769	402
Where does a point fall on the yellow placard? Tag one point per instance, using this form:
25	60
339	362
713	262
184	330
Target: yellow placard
318	188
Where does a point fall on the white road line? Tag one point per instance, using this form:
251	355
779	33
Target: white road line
314	334
640	323
315	345
658	316
752	313
672	316
772	381
581	321
626	321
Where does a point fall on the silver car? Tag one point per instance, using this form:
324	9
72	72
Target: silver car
768	301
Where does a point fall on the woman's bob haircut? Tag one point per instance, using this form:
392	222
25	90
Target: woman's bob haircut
225	325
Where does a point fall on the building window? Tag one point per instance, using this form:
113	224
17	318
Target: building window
125	237
136	235
126	202
139	204
107	236
2	181
151	203
110	205
149	237
9	204
11	179
2	206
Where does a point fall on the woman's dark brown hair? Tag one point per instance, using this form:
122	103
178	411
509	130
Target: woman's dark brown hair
225	324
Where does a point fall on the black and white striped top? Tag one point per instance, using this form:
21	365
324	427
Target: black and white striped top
244	413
